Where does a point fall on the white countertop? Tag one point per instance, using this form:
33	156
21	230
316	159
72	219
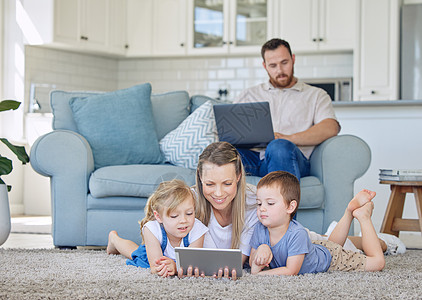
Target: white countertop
378	103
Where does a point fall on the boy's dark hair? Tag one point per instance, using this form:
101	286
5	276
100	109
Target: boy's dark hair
274	44
287	183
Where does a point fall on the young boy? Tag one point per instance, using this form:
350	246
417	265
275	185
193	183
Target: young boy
281	243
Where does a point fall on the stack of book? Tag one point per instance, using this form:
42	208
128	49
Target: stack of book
401	174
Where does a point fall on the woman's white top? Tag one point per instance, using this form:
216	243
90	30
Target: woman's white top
197	231
221	237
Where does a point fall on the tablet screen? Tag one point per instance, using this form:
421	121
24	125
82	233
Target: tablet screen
209	260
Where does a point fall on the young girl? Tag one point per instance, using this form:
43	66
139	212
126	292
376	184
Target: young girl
169	222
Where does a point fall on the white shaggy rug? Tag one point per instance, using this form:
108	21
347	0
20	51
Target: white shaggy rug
88	274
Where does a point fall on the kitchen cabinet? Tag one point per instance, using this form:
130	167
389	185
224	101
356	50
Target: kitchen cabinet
377	59
318	25
82	25
66	19
169	27
156	28
117	27
138	28
228	26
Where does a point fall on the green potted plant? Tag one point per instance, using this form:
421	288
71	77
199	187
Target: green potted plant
6	164
5	168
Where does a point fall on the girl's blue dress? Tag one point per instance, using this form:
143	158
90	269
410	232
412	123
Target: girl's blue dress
139	256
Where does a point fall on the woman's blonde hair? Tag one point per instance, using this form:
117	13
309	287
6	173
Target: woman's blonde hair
169	195
220	154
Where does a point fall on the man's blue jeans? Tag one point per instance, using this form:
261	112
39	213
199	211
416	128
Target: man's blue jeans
280	155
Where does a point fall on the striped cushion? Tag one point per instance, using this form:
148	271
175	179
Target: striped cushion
183	145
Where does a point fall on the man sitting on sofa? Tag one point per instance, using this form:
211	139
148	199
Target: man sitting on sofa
302	115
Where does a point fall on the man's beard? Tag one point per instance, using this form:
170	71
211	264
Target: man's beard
287	80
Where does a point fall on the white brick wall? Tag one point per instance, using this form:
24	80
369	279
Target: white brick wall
67	71
197	75
207	76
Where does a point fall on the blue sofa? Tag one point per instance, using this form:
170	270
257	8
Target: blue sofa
89	201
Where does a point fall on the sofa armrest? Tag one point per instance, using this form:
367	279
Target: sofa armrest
338	162
66	157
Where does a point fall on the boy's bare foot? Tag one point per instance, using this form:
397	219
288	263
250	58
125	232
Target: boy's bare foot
110	246
364	212
360	199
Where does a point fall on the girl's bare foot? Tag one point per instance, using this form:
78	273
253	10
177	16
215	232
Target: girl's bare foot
360	199
364	212
110	246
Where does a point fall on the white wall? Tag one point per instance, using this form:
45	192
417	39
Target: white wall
1	47
394	135
12	81
12	72
197	75
67	71
201	75
1	54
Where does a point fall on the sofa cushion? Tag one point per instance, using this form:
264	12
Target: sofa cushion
119	126
62	113
169	110
135	180
197	100
183	145
311	191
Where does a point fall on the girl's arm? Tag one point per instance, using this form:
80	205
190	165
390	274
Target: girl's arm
293	265
165	266
153	249
199	243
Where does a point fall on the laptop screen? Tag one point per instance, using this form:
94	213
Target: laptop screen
244	125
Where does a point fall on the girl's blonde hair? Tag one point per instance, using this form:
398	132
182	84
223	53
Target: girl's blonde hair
169	195
220	154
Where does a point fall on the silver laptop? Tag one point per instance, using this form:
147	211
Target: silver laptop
208	260
244	125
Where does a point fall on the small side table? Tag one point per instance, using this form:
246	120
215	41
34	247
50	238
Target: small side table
393	222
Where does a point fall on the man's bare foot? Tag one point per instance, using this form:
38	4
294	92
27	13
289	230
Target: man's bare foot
110	246
360	199
364	212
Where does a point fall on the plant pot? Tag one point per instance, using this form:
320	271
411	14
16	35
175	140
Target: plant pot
4	214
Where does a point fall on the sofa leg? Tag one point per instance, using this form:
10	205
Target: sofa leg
66	247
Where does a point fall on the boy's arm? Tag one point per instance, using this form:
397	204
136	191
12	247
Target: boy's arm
255	269
260	258
252	256
293	265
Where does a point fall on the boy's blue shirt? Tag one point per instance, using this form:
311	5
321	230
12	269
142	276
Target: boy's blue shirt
294	242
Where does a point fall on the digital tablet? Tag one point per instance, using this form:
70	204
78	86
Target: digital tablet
209	260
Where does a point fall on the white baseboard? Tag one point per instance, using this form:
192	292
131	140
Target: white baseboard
17	209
